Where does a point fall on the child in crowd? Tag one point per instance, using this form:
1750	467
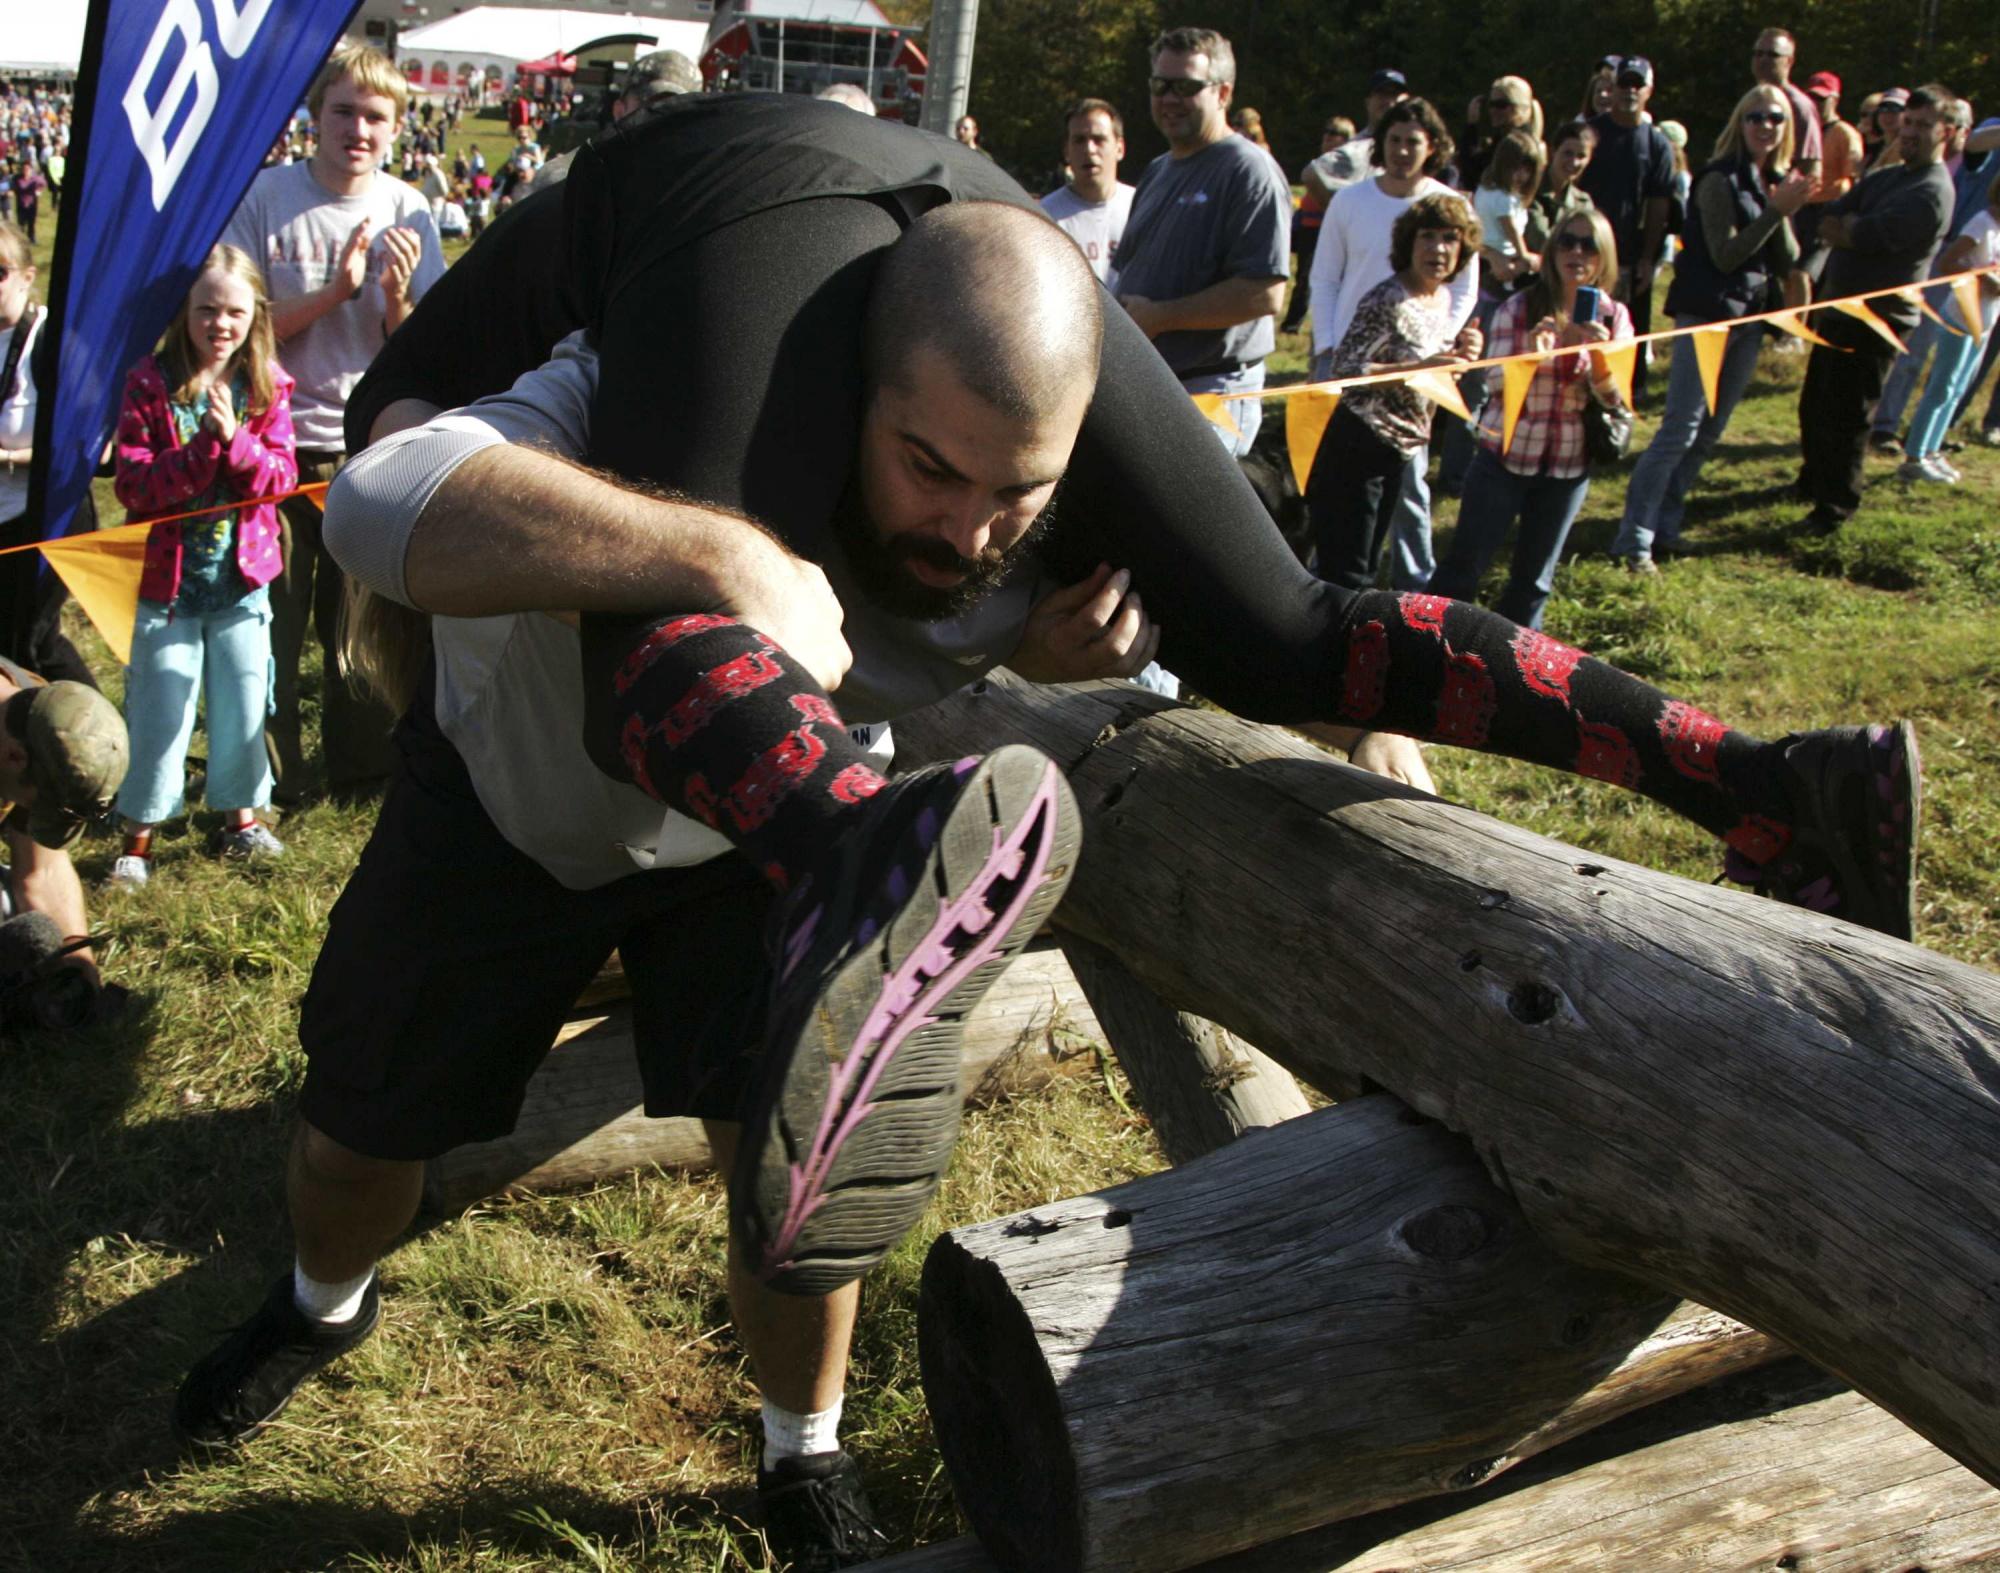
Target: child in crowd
206	422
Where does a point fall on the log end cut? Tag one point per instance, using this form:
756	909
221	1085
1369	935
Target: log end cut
994	1407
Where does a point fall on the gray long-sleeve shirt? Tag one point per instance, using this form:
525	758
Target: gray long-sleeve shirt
1901	215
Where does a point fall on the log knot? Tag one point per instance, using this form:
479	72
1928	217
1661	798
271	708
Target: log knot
1532	1002
1448	1234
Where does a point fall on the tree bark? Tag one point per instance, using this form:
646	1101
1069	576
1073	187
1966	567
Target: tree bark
1330	1316
584	1121
1201	1086
1776	1469
1783	1116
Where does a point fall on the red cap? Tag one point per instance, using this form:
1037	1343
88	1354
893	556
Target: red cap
1823	82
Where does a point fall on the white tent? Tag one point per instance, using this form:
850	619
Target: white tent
489	41
42	36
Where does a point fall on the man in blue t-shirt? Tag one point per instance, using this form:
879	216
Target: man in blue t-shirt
1204	258
1631	180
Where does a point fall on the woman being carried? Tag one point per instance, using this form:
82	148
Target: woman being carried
1739	249
206	423
1543	476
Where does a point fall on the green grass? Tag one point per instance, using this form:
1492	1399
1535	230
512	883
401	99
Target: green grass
556	1383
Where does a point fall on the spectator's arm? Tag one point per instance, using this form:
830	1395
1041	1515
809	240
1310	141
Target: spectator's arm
1223	304
153	476
1908	222
45	881
1984	139
262	458
1463	293
1329	270
1729	248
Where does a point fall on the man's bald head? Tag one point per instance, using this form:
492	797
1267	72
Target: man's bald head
1001	294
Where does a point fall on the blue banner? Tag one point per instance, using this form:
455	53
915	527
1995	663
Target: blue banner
177	103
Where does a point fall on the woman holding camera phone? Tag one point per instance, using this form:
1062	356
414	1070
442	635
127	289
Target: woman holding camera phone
1738	249
1541	478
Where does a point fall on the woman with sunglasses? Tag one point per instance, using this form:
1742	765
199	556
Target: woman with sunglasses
1542	476
1738	250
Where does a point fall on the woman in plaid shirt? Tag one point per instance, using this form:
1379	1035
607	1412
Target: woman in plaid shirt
1542	477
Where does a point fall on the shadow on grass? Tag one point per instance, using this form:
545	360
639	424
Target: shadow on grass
530	1524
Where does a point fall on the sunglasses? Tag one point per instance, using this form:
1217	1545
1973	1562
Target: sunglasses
1570	241
1178	86
1769	54
1763	117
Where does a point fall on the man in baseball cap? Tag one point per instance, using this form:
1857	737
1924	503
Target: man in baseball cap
62	758
661	74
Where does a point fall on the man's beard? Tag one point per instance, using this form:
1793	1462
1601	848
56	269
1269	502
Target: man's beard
881	565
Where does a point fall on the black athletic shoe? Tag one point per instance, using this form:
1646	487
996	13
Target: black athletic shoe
240	1386
879	957
1857	794
816	1513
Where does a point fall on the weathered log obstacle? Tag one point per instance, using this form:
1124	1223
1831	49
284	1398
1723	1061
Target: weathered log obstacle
1773	1469
1336	1314
1765	1110
584	1121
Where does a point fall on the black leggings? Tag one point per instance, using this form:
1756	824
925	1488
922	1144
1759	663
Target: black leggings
731	370
1351	498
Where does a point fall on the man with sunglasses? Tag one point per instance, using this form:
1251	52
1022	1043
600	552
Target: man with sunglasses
1205	255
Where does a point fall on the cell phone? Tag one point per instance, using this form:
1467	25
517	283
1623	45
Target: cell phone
1588	300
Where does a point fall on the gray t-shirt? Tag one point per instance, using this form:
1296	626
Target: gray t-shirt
1222	213
296	230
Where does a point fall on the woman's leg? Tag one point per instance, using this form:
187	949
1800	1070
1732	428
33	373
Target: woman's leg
1347	499
1493	495
160	688
1739	365
1549	506
1654	474
239	695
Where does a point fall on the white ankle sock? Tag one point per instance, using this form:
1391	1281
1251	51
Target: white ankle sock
789	1435
329	1302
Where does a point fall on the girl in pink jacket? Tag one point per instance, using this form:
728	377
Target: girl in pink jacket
206	424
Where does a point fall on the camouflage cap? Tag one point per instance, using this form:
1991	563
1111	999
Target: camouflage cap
662	72
77	753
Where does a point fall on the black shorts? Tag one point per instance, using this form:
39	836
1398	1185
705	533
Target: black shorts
452	959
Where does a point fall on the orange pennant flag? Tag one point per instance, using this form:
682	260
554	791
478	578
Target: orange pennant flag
1440	386
1622	361
1306	415
1710	345
1916	298
102	569
1858	309
1515	376
1966	293
1211	405
1794	324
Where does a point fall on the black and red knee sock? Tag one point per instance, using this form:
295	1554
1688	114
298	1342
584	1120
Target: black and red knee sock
710	717
1450	672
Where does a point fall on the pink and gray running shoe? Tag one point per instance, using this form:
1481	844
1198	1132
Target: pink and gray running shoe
879	957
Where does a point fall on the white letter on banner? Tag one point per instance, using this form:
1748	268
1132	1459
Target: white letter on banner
236	28
149	126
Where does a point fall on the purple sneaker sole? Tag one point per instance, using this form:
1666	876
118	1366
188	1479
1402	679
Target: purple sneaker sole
854	1123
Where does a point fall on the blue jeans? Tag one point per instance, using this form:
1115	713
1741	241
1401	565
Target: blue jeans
1411	562
1666	472
1951	374
175	657
1903	375
1546	505
1247	413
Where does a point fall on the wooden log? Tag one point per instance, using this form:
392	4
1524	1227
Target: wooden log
1330	1316
1200	1085
584	1121
1768	1111
1778	1469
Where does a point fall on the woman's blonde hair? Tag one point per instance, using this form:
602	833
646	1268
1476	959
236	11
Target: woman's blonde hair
1731	144
14	248
180	362
383	644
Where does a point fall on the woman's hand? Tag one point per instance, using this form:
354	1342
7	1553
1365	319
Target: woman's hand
220	420
1576	333
1544	336
1094	628
1793	192
1470	343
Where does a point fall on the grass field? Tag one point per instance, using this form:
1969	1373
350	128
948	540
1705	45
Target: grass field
556	1383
